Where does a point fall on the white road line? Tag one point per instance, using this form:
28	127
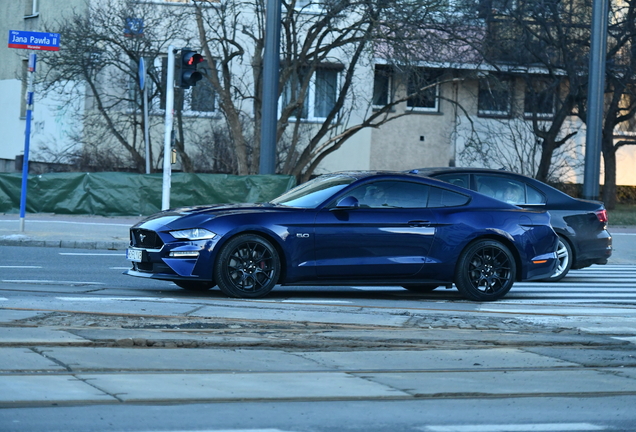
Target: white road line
21	267
536	427
92	254
51	282
4	299
104	299
70	222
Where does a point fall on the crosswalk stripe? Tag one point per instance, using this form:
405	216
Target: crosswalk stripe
532	427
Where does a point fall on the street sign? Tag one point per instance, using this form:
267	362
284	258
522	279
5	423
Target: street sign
34	40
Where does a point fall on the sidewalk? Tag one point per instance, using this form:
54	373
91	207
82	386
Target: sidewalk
67	231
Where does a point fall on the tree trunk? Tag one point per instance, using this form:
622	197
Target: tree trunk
609	186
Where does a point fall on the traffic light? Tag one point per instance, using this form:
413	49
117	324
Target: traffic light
188	74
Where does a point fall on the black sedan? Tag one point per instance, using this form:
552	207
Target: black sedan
360	228
580	224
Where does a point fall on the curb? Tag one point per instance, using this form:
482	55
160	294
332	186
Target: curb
66	244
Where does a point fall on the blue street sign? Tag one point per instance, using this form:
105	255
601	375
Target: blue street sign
34	40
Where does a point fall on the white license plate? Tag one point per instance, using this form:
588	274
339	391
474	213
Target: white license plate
134	255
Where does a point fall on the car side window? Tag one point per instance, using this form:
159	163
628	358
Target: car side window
391	194
533	196
462	180
439	197
502	188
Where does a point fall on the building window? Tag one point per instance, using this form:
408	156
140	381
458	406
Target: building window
495	97
202	96
321	95
382	85
31	9
423	100
538	100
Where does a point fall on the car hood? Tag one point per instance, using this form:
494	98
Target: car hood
197	215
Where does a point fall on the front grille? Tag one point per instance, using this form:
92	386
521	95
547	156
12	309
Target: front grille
148	267
147	239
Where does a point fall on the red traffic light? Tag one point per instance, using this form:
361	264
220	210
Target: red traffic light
188	74
194	59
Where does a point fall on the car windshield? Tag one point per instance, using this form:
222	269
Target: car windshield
314	192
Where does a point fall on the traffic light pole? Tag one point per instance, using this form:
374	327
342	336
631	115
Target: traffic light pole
167	140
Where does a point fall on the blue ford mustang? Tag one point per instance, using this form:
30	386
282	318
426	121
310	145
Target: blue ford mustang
363	228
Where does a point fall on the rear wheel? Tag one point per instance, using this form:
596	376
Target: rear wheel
194	285
564	256
486	271
248	266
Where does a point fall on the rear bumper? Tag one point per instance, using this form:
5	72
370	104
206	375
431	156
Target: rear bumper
595	250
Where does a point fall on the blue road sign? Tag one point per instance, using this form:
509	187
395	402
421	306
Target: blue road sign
34	40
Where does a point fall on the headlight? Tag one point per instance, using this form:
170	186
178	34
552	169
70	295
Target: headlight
193	234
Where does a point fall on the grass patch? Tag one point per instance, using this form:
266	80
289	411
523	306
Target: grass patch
623	214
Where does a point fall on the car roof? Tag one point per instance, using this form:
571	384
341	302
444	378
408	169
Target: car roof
554	195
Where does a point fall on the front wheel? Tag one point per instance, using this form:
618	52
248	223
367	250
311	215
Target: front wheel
248	266
486	271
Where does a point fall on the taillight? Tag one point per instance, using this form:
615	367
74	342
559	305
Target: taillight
601	215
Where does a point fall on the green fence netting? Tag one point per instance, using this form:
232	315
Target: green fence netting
127	194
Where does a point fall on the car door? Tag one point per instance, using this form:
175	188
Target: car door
388	235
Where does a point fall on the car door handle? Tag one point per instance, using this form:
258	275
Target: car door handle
419	223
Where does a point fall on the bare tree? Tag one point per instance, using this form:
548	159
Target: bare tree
543	43
517	148
324	46
103	43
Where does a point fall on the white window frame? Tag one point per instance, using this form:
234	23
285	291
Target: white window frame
34	9
389	90
311	99
434	109
530	115
496	113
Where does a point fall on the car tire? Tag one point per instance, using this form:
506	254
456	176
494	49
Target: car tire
486	270
421	288
194	285
564	256
248	266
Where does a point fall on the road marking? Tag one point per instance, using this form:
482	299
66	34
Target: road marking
537	427
21	267
71	222
628	339
317	301
4	299
92	254
50	282
103	299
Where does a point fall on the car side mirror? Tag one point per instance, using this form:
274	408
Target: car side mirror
347	203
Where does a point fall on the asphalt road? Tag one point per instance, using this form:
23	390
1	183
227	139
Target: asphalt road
85	348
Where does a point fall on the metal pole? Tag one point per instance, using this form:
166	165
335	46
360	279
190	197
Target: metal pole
167	140
27	139
596	89
144	88
271	64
